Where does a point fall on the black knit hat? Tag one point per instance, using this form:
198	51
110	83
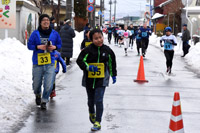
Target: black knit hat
42	16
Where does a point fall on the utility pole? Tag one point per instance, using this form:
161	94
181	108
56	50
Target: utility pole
115	2
93	22
110	10
101	9
69	9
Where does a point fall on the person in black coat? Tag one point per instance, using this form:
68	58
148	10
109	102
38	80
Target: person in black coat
67	34
185	38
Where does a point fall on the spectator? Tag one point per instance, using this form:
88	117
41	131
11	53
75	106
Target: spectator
86	28
52	19
185	38
67	34
43	41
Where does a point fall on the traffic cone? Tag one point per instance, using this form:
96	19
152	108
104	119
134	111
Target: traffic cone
176	121
141	75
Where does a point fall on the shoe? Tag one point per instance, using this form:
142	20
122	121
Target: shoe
92	117
53	94
168	70
43	106
126	54
38	99
96	126
138	54
183	56
143	54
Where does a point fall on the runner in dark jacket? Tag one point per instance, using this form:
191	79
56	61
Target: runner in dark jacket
98	63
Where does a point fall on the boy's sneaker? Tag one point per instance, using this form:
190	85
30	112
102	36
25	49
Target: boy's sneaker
92	117
96	126
38	99
53	94
43	106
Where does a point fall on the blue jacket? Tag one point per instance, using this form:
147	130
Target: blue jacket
144	33
34	40
60	60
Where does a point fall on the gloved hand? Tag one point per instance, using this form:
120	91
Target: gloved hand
161	44
114	79
64	71
92	68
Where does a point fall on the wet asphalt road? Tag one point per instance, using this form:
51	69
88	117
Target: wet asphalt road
129	107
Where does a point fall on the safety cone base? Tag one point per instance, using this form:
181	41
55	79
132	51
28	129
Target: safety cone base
141	81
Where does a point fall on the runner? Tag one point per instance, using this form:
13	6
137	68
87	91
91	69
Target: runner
132	37
115	29
126	36
98	63
138	41
169	43
109	31
144	34
120	33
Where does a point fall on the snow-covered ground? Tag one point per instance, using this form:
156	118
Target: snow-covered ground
16	80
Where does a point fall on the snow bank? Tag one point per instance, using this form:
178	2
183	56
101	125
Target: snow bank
77	43
193	57
15	82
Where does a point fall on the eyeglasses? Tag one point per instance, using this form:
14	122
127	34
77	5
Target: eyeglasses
45	20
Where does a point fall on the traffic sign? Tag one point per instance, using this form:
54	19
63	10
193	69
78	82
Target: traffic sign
90	8
91	1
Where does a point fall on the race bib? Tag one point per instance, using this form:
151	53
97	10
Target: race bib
99	73
144	34
44	58
87	43
168	46
125	34
55	63
132	31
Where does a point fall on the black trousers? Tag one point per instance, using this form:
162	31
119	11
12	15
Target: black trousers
138	45
131	40
144	43
186	48
116	39
109	37
169	55
67	60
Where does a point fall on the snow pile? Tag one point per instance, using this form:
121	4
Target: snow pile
77	43
193	57
15	82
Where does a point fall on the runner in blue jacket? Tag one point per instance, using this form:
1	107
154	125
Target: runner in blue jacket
43	42
58	59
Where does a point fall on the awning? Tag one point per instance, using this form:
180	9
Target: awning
157	15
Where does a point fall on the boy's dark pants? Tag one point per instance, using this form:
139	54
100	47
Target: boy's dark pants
95	97
144	43
169	54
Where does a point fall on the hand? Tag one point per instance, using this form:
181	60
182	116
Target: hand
114	79
64	71
161	44
92	68
51	47
41	47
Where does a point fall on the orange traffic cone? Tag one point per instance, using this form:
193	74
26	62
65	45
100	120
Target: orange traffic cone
141	75
176	121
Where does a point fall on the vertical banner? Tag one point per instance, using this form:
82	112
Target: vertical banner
7	14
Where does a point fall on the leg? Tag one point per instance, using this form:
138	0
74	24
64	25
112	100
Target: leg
91	98
48	80
99	94
138	46
37	79
168	58
143	47
171	58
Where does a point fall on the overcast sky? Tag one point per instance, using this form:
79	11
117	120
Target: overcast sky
125	7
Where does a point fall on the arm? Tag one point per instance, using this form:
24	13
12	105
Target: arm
82	60
31	42
73	33
112	64
62	62
161	39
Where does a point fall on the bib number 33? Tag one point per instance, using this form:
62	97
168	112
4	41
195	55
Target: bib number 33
44	58
99	73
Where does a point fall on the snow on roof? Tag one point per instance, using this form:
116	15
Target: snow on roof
27	1
62	2
165	3
157	15
193	10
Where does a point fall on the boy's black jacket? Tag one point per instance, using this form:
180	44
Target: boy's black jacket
91	54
